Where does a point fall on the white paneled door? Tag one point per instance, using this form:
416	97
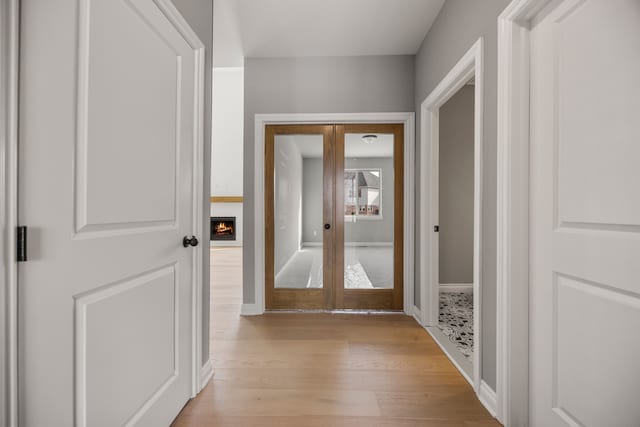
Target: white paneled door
109	130
585	214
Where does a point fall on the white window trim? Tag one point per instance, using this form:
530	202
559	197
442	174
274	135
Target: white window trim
359	217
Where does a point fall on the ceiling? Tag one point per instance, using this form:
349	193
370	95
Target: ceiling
301	28
310	146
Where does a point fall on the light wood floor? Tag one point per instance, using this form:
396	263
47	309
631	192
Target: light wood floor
323	370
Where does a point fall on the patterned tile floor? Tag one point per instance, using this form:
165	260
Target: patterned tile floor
456	320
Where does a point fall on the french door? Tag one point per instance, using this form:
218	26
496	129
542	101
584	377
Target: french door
334	216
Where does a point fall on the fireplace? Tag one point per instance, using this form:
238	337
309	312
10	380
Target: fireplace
223	228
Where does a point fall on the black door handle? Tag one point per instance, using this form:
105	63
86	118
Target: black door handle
189	241
327	226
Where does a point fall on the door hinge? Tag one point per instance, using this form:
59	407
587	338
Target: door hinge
21	243
436	228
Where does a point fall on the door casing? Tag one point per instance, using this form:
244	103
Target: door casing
470	65
261	121
512	317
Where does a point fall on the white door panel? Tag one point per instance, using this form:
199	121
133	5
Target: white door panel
585	214
107	149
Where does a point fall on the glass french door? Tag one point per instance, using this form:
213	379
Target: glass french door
334	216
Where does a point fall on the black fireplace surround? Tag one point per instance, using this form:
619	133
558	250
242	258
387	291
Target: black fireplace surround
223	228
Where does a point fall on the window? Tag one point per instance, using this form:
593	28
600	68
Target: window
363	193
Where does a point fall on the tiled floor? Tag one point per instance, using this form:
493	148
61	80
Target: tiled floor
456	320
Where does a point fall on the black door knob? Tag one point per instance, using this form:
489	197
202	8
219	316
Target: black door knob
189	241
327	226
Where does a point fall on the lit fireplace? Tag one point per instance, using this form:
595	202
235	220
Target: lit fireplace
223	228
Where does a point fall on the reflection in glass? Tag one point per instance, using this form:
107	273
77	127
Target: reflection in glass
368	210
298	211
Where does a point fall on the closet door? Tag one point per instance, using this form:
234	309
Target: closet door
299	214
369	216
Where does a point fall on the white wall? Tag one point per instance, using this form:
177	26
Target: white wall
288	201
227	146
228	125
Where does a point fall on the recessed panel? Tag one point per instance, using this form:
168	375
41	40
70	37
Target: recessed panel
596	353
128	119
126	346
598	109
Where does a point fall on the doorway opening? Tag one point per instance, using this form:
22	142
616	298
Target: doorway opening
451	206
455	226
334	216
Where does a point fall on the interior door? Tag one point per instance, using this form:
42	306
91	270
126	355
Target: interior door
108	133
299	217
585	214
369	216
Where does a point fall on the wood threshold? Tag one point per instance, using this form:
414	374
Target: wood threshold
226	199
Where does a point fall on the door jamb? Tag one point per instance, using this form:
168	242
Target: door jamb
9	22
261	120
512	317
470	65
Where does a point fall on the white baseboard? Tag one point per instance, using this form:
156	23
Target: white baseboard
488	398
350	244
417	314
456	287
206	373
251	310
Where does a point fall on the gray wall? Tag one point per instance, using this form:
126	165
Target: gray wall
199	15
459	24
456	188
288	201
315	85
361	231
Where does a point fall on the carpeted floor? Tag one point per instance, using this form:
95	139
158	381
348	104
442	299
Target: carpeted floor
456	320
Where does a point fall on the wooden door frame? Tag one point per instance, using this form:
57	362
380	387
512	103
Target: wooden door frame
314	299
201	370
512	339
470	65
261	121
9	59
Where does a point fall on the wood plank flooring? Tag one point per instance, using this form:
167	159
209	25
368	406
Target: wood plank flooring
324	370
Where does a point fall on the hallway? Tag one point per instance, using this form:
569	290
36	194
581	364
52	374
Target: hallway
290	369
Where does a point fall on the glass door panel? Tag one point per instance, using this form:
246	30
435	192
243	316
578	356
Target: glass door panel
368	211
296	213
370	171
